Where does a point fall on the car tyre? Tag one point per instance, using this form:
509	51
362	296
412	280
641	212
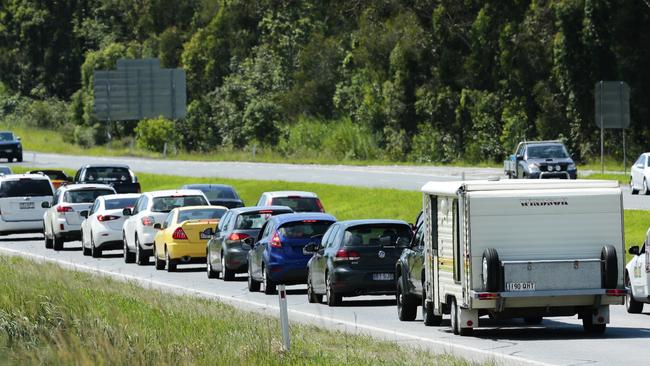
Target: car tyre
454	316
228	274
333	299
160	263
19	158
253	285
49	243
85	250
58	243
211	272
269	286
140	258
128	256
94	251
312	296
632	306
632	190
490	273
407	306
428	316
645	191
170	263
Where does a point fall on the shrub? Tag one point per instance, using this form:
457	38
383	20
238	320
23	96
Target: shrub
152	134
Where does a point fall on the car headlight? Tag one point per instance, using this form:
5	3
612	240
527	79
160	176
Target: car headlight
533	167
19	146
571	166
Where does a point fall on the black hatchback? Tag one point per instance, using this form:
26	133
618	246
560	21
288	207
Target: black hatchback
356	257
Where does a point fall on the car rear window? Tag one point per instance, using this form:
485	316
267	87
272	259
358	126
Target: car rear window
218	193
255	220
25	188
304	229
201	214
166	204
298	204
85	195
108	174
120	203
376	235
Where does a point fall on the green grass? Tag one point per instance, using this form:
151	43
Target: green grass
49	315
621	178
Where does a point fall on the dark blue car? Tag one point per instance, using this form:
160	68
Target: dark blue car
278	255
10	146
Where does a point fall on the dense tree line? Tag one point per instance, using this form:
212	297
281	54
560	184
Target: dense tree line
438	80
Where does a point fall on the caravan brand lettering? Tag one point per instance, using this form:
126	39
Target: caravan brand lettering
544	202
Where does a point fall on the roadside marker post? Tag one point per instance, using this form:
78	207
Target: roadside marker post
284	318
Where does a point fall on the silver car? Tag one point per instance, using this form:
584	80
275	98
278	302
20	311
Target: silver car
21	199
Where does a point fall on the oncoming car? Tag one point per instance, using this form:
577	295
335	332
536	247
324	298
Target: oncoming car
640	174
102	228
181	238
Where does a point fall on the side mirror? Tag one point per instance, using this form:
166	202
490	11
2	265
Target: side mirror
519	157
127	212
45	204
18	138
208	232
157	226
310	248
634	250
84	213
249	241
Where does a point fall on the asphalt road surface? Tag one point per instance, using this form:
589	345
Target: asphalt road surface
399	177
557	341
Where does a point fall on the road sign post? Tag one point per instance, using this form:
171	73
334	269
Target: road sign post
284	318
612	107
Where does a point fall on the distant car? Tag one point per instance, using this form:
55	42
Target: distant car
637	279
57	177
540	160
151	208
119	176
298	201
10	147
357	257
5	170
181	238
640	175
62	220
218	194
102	228
21	199
278	256
227	250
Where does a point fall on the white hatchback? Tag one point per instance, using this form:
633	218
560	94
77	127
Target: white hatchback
151	208
637	278
21	202
102	228
640	175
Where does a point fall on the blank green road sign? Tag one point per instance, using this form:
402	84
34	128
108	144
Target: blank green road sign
612	101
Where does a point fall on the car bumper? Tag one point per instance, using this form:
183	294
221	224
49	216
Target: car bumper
18	227
237	259
103	237
351	282
571	174
10	153
282	274
186	250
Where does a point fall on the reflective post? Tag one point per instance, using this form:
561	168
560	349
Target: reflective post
284	317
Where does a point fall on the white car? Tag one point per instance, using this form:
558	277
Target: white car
62	221
298	201
640	175
637	278
152	207
102	228
21	202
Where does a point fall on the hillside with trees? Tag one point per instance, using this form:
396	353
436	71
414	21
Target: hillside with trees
411	80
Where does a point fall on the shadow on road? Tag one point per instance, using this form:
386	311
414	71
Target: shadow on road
112	255
190	269
369	303
22	238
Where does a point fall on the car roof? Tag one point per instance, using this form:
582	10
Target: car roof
240	210
206	186
18	176
352	223
548	142
119	195
274	194
185	208
46	171
291	217
172	192
106	166
72	187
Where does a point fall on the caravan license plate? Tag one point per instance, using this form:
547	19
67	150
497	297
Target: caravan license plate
26	205
382	276
520	286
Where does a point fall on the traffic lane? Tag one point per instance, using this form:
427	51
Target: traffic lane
636	201
558	341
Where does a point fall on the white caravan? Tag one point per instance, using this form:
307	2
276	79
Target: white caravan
523	249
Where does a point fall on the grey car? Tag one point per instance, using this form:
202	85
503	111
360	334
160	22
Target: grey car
228	248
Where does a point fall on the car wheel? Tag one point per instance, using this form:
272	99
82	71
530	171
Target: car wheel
170	263
454	316
211	272
58	243
253	285
407	306
49	243
645	190
590	327
19	158
312	297
333	299
632	306
228	274
140	258
94	251
269	286
632	190
128	256
160	263
428	316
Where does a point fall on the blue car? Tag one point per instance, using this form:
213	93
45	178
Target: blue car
278	255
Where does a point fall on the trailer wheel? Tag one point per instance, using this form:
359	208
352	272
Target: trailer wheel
609	267
490	270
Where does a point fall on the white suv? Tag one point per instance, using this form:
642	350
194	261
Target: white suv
21	200
62	220
151	208
298	201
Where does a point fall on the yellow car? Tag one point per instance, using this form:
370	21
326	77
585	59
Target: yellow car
181	239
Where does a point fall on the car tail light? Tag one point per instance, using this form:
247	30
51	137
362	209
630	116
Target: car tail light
320	205
179	234
308	221
147	221
138	190
488	295
275	241
266	211
238	236
615	292
107	217
346	255
63	209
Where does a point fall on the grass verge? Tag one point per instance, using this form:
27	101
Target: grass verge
49	315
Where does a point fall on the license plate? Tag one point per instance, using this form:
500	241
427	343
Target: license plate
520	286
383	276
8	151
204	236
26	205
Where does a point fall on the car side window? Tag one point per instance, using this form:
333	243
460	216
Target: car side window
142	204
418	240
55	199
332	237
262	200
94	208
168	220
223	223
267	230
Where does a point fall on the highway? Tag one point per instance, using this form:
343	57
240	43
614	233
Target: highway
557	341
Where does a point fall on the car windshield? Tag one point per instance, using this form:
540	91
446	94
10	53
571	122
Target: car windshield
298	204
85	195
254	220
25	188
547	152
200	214
108	174
304	229
120	203
217	193
166	204
6	136
376	235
